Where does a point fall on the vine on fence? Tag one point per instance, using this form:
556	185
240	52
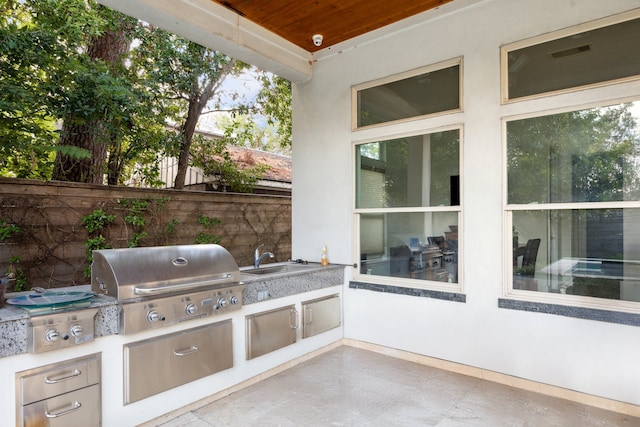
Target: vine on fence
40	237
96	223
204	237
7	231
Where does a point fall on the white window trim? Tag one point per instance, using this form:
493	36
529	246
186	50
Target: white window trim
404	75
546	297
565	32
399	281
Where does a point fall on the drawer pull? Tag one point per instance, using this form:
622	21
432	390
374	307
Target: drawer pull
293	321
59	379
74	407
310	315
186	351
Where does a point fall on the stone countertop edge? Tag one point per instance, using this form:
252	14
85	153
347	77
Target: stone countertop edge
14	321
284	284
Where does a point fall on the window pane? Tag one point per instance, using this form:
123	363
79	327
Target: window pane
580	156
415	171
418	245
428	93
590	57
583	252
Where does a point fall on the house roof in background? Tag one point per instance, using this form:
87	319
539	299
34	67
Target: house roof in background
279	165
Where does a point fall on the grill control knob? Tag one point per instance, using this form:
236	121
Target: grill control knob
234	299
222	302
153	316
52	335
76	330
191	308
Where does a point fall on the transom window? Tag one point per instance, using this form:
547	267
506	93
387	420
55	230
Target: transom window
587	55
430	90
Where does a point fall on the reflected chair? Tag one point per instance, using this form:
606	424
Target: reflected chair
529	255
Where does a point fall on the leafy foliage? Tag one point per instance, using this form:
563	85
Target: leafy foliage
87	92
213	158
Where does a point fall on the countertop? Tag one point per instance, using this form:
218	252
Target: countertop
14	321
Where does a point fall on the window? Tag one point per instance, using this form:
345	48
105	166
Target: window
606	51
407	207
573	202
430	90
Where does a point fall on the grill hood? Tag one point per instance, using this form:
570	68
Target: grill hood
139	273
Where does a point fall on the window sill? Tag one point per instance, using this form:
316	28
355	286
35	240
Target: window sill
632	319
401	290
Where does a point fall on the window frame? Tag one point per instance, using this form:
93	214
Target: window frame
555	35
401	281
546	297
459	61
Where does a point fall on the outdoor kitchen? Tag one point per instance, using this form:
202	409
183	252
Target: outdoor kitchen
472	171
187	311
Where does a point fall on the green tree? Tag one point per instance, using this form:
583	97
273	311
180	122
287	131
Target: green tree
86	92
189	79
586	155
37	41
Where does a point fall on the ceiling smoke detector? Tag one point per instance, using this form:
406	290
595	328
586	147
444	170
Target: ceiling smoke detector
317	39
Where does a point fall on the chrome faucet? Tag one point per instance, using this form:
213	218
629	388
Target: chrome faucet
257	258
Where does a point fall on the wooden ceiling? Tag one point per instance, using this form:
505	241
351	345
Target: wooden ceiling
337	20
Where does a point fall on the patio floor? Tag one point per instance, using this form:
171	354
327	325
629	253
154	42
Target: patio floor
347	386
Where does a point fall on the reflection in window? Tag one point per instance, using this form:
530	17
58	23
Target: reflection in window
580	156
419	175
435	91
420	170
415	245
590	57
588	161
585	252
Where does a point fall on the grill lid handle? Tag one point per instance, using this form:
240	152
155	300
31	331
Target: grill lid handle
180	287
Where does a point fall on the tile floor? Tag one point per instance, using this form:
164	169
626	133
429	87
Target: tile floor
353	387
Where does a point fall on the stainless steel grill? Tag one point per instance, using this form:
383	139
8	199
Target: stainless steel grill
163	285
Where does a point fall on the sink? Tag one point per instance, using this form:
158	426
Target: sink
273	269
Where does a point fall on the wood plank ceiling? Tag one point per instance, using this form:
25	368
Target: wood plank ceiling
337	20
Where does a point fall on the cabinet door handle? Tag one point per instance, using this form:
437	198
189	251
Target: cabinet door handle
59	379
186	351
74	407
294	319
309	316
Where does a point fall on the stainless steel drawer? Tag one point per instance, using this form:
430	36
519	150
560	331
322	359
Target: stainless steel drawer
80	408
52	380
158	364
271	330
320	315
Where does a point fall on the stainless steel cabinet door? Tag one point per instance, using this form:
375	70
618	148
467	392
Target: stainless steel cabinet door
80	408
53	380
320	315
161	363
271	330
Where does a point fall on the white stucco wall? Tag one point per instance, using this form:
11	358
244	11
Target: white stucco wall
588	356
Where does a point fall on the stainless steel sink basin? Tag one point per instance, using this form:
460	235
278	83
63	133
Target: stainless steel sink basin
273	269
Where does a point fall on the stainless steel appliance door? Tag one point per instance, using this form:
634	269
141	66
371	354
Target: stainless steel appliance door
158	364
78	408
320	315
271	330
53	380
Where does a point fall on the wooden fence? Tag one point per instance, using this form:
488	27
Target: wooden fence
51	247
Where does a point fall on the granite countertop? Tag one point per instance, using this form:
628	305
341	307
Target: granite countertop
14	321
311	277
